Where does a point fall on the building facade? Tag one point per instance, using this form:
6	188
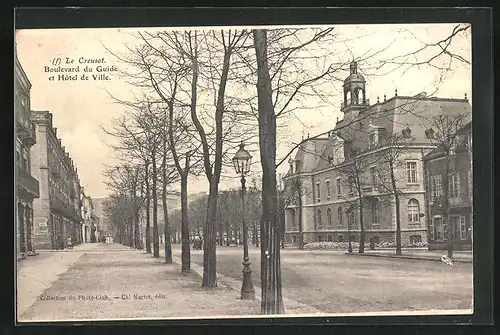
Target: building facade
57	211
460	192
89	226
27	187
330	174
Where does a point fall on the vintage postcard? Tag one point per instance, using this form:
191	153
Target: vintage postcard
243	172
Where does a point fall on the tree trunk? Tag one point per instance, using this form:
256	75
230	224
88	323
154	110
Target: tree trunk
301	234
272	300
446	205
398	212
221	235
361	225
166	227
156	242
209	238
148	214
186	253
228	234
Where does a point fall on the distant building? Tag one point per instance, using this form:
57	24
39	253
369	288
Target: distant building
460	191
329	205
27	187
89	219
105	227
58	210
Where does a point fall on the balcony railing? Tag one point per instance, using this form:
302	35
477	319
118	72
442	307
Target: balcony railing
25	128
27	182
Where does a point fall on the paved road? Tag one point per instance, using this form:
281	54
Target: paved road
333	282
328	282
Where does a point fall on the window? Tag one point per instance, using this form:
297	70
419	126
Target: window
320	238
329	238
340	217
350	181
339	188
445	228
341	238
374	209
374	175
373	139
436	187
411	172
294	239
318	193
318	217
432	234
463	228
437	226
294	224
328	190
414	239
352	220
453	185
329	218
413	211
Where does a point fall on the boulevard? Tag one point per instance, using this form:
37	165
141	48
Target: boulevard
110	281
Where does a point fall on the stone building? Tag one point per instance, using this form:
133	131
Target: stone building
459	219
27	187
327	171
57	211
89	226
105	227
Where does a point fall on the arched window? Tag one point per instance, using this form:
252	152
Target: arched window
340	217
360	95
348	98
319	225
413	211
329	218
294	223
374	210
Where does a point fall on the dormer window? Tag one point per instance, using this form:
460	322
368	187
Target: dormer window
406	132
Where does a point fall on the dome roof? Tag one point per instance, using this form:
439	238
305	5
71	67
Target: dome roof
354	76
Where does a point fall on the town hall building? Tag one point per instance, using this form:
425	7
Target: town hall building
330	171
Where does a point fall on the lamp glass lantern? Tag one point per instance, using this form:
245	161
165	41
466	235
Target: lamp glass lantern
242	160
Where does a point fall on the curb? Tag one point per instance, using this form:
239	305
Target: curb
407	257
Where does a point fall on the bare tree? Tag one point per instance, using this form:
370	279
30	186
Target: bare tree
391	158
441	132
272	299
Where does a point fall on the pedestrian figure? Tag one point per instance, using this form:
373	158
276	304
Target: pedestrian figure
69	243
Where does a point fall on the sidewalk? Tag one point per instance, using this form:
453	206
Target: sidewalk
458	256
131	285
36	273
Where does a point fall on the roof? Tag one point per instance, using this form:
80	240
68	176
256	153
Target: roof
390	116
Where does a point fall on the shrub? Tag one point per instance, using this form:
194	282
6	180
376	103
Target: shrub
355	245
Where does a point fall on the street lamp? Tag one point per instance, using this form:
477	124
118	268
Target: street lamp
241	162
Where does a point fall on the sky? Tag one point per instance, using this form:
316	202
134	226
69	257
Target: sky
81	108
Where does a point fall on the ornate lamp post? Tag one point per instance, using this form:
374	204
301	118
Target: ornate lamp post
241	162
